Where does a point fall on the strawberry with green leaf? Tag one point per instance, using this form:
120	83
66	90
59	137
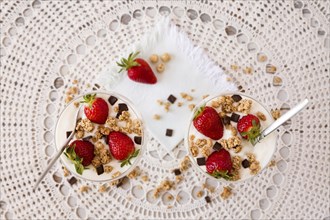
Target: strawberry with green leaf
122	147
96	110
249	127
81	153
219	164
138	69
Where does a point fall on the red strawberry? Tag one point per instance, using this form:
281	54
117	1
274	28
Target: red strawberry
249	127
81	153
138	69
219	164
208	122
122	147
97	109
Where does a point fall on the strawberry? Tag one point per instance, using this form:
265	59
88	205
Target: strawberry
249	127
208	122
96	110
81	153
122	147
219	164
138	69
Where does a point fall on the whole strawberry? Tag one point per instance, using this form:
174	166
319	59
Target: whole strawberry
96	110
138	69
122	147
219	164
81	153
208	122
249	127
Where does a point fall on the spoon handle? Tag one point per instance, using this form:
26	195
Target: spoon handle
285	117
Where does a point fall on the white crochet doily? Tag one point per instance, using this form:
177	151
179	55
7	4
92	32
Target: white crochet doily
45	45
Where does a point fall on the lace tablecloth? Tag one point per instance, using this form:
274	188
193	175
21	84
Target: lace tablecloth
45	45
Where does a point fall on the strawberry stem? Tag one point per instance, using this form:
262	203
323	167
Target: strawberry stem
222	174
76	160
89	99
126	64
199	111
127	161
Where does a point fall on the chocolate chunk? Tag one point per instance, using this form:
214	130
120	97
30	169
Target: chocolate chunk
72	180
235	117
105	138
217	146
201	161
177	172
171	99
226	120
112	100
169	132
207	199
122	107
138	139
100	169
245	163
118	114
68	133
236	98
120	182
87	138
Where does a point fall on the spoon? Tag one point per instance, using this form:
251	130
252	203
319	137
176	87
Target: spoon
58	154
281	120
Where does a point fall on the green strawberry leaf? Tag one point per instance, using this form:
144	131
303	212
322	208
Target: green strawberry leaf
199	111
76	160
126	64
79	168
222	174
127	161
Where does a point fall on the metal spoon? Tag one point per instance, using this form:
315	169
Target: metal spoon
281	120
58	154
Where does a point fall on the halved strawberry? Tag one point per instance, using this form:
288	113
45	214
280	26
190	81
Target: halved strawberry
219	164
81	153
249	127
138	69
97	109
208	122
122	147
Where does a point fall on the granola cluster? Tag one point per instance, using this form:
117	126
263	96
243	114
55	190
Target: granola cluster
254	164
102	155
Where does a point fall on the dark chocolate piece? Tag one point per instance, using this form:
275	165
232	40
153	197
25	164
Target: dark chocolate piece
169	132
118	114
201	161
120	182
177	172
87	138
245	163
100	169
112	100
68	133
226	120
72	180
171	99
236	98
122	107
207	199
217	146
234	117
138	139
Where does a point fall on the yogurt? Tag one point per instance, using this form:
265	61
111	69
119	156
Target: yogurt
263	151
66	123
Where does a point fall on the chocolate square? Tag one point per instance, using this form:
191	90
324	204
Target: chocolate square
72	180
120	182
122	107
87	138
201	161
171	99
207	199
234	117
112	100
236	98
226	120
68	133
138	139
177	172
100	169
217	146
169	132
246	163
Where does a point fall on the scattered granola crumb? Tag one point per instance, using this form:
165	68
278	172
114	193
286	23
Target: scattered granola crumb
169	207
270	69
178	179
200	193
185	163
233	130
229	79
191	106
167	106
247	70
153	58
75	81
272	163
192	90
160	67
156	117
165	185
238	148
103	188
76	104
262	58
135	173
194	150
244	106
277	81
234	67
254	164
261	116
66	172
170	197
68	99
180	104
276	113
160	102
79	134
226	192
205	96
116	174
108	169
84	189
165	57
116	109
178	198
145	178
